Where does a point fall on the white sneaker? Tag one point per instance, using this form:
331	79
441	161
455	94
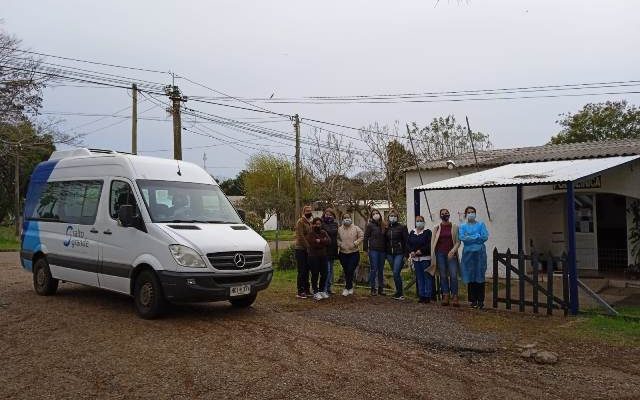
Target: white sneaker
345	292
318	296
350	292
325	295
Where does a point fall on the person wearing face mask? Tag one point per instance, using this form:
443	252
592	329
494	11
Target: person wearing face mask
303	227
419	247
474	234
374	244
396	247
445	246
330	226
318	241
349	238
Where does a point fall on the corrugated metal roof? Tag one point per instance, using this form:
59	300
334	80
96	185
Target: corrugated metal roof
546	172
548	152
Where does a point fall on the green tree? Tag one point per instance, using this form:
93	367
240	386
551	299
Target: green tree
599	121
261	187
234	186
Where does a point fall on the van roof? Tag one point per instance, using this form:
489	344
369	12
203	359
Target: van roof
109	162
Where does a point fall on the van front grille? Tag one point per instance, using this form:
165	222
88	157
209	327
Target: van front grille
232	260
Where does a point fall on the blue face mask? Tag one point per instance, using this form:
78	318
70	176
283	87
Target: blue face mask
471	217
393	220
347	221
420	224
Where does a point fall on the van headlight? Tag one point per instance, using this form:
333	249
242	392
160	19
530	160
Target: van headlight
186	256
266	257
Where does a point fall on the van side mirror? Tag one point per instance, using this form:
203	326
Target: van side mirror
125	215
242	214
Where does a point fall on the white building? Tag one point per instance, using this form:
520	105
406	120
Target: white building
606	180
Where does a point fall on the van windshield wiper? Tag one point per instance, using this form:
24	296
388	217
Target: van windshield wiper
197	221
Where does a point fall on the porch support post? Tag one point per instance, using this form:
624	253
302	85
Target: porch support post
520	218
571	255
416	203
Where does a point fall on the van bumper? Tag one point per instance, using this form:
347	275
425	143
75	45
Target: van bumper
207	286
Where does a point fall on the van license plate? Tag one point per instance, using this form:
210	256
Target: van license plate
240	290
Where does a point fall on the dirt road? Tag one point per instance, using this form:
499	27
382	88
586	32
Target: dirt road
86	343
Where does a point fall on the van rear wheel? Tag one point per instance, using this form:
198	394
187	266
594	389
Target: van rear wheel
244	302
43	282
147	295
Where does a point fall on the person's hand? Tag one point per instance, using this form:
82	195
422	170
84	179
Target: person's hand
418	252
412	254
452	254
317	240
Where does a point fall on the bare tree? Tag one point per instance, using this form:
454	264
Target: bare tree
330	162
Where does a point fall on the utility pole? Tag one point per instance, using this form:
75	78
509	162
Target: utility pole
278	216
415	157
17	190
296	125
134	119
204	161
176	97
475	157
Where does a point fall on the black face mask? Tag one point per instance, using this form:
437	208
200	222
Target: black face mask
316	229
445	218
308	215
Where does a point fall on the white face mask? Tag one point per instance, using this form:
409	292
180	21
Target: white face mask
347	221
376	217
393	220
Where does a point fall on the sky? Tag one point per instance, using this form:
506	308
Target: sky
329	48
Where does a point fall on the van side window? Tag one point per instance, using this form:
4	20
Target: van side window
121	194
72	202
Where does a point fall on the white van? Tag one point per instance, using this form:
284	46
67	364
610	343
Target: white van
156	229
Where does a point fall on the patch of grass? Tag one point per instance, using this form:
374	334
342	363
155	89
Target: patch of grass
616	330
285	234
8	241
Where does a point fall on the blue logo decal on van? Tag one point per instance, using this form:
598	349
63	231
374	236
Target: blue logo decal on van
67	242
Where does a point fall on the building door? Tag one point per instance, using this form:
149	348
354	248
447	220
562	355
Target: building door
586	232
612	233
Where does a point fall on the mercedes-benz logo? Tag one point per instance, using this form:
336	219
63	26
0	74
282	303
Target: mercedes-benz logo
238	260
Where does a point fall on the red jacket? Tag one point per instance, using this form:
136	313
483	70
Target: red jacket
318	243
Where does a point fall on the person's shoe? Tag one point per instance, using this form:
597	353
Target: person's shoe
473	304
373	292
302	295
480	305
350	292
445	300
324	295
455	301
345	292
398	297
318	296
381	292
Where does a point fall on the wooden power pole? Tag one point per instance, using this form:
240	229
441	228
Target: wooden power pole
134	119
176	98
17	191
296	125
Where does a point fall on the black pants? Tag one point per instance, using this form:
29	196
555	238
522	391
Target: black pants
349	263
302	263
476	292
318	266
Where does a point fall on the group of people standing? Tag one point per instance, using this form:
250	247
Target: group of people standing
322	241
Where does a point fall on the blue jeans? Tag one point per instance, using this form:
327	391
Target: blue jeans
448	268
330	263
376	261
424	280
396	262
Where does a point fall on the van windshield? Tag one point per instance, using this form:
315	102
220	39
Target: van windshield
169	201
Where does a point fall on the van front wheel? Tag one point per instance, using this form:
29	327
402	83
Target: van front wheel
147	295
245	301
43	282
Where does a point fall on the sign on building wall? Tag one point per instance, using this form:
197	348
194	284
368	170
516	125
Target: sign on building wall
591	183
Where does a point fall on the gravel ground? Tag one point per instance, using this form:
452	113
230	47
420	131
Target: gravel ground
86	343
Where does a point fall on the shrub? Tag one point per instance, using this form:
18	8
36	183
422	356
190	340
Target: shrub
287	258
255	222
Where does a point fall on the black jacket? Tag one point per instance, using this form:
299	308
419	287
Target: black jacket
332	230
373	237
420	242
396	237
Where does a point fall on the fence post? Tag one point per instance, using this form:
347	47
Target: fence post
535	266
521	275
565	284
495	277
508	280
550	264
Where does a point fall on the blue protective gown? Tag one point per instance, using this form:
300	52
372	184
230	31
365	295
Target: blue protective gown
473	265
